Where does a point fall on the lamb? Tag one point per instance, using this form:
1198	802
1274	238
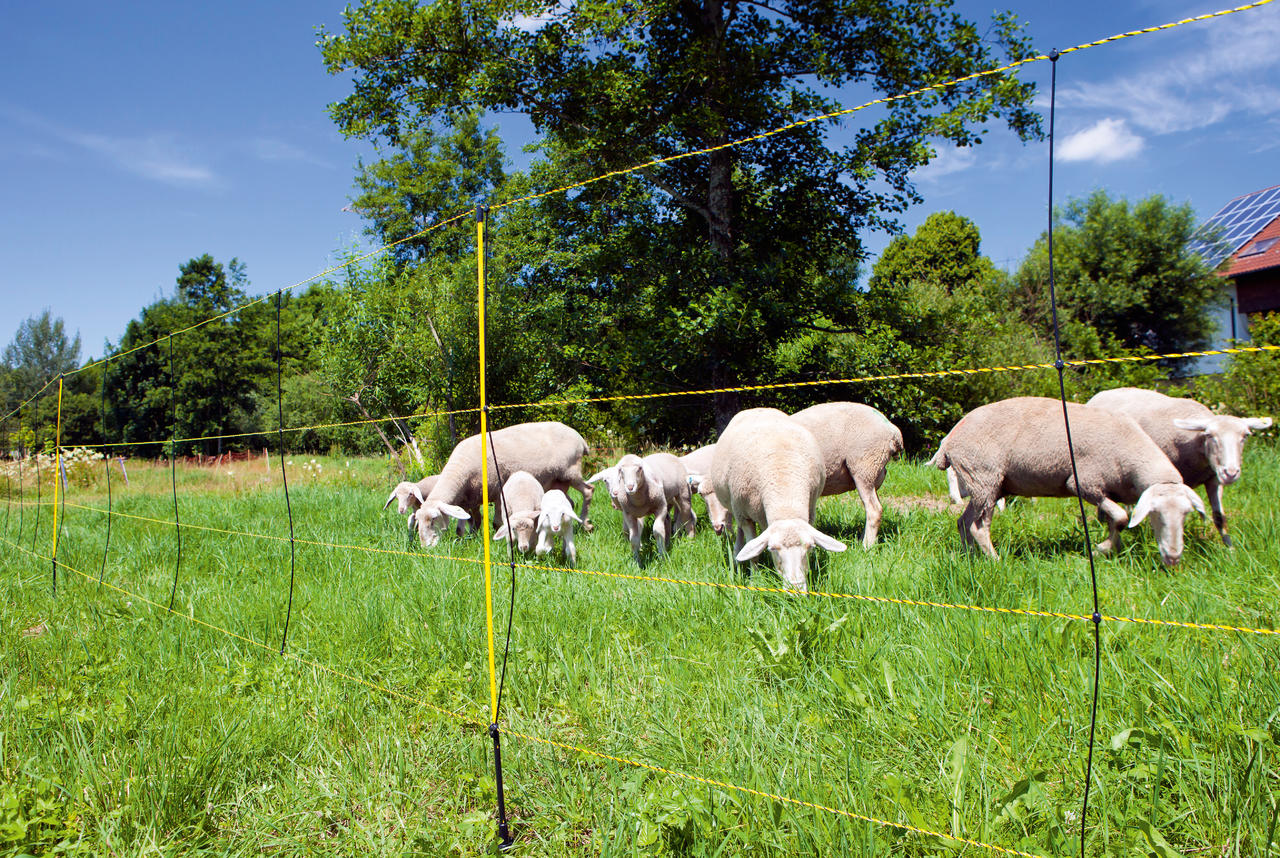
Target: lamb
651	486
551	452
1018	447
857	443
1206	448
557	516
698	464
410	495
768	471
519	505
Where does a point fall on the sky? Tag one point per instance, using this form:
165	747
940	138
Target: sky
136	136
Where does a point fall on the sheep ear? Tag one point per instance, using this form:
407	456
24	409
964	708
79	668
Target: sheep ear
408	520
1196	503
1140	511
754	547
416	492
573	515
454	511
1191	424
1257	424
500	534
389	500
695	482
821	540
601	475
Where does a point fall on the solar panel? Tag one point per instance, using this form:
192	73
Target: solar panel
1235	223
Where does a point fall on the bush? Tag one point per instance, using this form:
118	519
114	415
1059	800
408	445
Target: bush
1251	384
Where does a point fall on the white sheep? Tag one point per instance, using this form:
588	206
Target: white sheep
652	486
857	443
518	506
409	495
551	452
1019	447
698	464
1206	448
768	472
557	516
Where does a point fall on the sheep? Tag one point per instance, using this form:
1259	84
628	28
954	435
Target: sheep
410	495
520	502
651	486
698	464
551	452
1206	448
557	516
958	493
857	443
1018	447
768	472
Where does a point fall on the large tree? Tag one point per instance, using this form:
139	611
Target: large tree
40	350
746	245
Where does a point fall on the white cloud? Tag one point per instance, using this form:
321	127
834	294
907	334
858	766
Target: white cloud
1105	141
271	149
157	157
534	23
1216	69
946	162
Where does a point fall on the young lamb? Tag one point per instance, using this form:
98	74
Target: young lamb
557	516
518	508
768	471
409	495
1206	448
857	443
1019	447
651	486
551	452
698	464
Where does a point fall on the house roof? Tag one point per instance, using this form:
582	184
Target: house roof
1260	252
1236	224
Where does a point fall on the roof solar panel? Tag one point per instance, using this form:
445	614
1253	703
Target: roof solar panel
1235	223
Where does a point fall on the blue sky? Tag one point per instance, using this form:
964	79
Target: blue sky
136	136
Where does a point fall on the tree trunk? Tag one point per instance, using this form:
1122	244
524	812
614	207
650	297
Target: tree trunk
364	412
448	381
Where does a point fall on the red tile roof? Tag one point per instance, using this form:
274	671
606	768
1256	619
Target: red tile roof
1239	263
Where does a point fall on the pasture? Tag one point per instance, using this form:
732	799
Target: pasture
126	730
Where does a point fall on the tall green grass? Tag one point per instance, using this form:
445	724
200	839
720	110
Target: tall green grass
127	730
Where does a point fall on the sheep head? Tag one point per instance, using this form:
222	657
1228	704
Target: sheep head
523	525
1167	505
408	495
431	515
1223	438
789	541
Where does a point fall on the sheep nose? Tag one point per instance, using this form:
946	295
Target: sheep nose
1170	559
1230	475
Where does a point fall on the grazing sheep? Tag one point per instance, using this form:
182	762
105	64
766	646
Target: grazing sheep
651	486
857	443
1206	448
551	452
557	516
698	464
518	508
1019	447
768	471
410	495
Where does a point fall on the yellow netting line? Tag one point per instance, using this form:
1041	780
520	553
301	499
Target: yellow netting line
216	628
720	585
902	376
507	731
886	100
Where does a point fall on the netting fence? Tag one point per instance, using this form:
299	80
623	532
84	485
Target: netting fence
35	522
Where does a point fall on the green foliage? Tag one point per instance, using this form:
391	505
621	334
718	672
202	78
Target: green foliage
1251	385
1125	280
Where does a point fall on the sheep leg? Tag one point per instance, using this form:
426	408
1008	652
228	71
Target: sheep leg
586	491
634	527
686	515
1116	519
980	529
661	531
875	510
1213	489
569	550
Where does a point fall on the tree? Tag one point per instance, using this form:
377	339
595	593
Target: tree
40	351
744	246
1124	277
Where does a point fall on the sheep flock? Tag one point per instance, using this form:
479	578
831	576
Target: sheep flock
761	479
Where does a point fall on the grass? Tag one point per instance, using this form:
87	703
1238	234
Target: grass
127	730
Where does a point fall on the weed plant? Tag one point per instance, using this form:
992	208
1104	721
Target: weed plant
128	730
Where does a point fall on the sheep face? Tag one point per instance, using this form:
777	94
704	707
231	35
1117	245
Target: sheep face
1223	439
789	542
524	526
429	518
408	497
1167	505
632	475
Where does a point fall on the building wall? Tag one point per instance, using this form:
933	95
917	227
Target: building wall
1223	337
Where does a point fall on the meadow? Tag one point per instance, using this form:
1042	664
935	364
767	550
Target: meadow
129	730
